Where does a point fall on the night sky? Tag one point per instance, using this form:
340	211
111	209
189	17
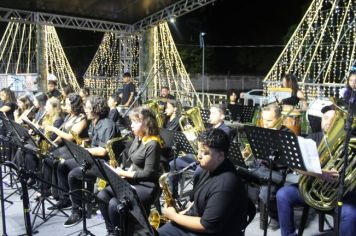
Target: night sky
236	32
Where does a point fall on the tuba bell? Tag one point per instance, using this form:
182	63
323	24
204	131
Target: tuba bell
321	194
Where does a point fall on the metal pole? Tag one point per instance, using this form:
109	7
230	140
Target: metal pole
202	45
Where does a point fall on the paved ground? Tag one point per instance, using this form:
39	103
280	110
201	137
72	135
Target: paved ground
54	226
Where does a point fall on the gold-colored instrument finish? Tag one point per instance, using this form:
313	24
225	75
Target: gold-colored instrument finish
321	194
155	218
154	106
191	124
79	140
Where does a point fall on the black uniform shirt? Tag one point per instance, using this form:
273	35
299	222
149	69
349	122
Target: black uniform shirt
220	200
103	131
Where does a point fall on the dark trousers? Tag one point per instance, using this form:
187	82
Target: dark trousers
49	174
290	196
27	160
172	229
109	203
63	170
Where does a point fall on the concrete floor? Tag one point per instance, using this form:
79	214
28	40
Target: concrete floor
54	226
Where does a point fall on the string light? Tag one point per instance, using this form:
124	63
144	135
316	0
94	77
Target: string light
321	50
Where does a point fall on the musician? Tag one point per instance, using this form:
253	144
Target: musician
66	90
217	117
101	130
84	93
8	99
290	196
172	112
291	81
113	101
143	173
216	121
232	103
74	122
24	109
39	102
165	93
350	87
128	90
220	199
53	116
52	90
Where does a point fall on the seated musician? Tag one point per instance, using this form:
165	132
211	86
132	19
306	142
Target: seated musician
291	81
172	112
143	173
220	199
216	120
8	99
84	93
271	119
53	117
39	102
350	87
52	90
65	91
74	122
24	109
113	101
101	130
290	196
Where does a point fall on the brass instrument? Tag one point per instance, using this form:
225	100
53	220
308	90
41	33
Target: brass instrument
321	194
153	105
155	218
191	124
48	120
79	140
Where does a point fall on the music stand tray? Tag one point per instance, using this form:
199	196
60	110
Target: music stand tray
124	192
247	113
181	143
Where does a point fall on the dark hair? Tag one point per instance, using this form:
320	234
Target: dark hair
275	108
176	104
164	87
9	94
148	119
67	90
41	98
86	91
52	82
292	82
215	138
26	101
116	97
126	74
76	103
230	92
99	105
348	91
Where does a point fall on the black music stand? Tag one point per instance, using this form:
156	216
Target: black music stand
182	144
39	132
83	158
129	201
205	115
247	113
274	146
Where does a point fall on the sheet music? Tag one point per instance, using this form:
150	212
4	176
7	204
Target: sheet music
310	154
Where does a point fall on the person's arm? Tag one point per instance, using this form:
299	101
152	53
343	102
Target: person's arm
301	97
192	223
97	151
5	108
104	137
132	93
327	175
77	128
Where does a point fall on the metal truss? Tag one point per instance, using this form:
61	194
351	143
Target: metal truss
41	18
175	10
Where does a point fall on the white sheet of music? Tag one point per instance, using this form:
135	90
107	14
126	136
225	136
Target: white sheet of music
310	154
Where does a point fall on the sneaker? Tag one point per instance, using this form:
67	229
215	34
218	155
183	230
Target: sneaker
273	224
61	204
74	218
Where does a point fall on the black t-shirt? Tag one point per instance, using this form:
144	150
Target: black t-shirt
114	115
10	114
235	111
221	201
54	93
173	124
102	132
127	90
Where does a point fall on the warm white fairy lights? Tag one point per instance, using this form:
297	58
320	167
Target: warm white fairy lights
321	50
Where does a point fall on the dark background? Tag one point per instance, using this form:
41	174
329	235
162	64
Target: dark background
242	37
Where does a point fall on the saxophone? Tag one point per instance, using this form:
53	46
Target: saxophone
155	218
78	139
318	193
48	120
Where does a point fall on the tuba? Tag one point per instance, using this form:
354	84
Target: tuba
153	105
191	124
321	194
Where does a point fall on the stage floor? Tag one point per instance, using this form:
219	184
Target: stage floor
54	226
